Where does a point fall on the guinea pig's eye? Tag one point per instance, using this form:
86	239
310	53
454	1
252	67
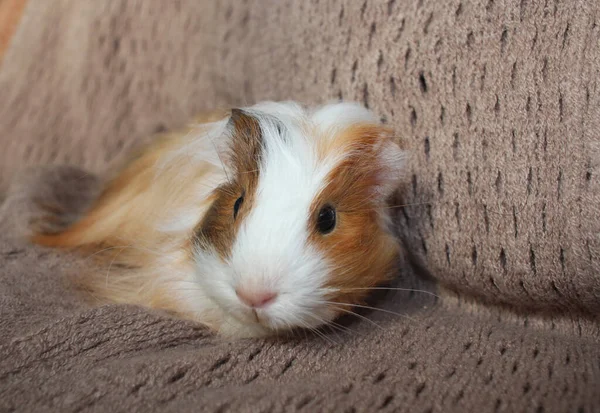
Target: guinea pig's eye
237	205
326	220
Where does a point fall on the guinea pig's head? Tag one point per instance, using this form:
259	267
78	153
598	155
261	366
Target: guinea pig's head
299	232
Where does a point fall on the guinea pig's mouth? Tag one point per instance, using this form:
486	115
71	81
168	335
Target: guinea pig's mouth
265	320
260	318
257	317
251	316
269	320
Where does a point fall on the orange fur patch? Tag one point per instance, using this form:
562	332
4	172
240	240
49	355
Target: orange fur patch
128	206
362	252
357	137
136	261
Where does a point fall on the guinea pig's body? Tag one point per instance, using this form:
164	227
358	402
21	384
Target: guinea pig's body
270	219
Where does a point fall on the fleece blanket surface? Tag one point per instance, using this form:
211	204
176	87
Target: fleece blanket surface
498	103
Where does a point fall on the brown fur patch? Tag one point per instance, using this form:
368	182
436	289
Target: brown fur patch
360	249
219	227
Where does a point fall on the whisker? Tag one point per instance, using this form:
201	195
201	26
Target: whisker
341	327
406	205
110	266
373	308
106	249
385	207
359	316
391	289
323	335
315	331
332	330
318	333
305	325
330	323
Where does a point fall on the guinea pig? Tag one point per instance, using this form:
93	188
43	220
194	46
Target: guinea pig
271	218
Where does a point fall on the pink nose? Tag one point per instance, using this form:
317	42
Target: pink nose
256	299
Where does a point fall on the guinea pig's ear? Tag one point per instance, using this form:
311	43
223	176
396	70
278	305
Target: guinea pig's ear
244	145
242	123
392	161
237	116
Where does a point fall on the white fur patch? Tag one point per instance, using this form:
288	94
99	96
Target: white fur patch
271	249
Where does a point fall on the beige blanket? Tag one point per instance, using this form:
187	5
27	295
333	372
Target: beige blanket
499	104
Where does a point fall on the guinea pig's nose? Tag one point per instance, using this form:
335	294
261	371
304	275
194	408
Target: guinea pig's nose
256	299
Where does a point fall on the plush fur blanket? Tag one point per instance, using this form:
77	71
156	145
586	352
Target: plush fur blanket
498	102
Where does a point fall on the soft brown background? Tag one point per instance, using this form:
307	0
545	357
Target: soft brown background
498	102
